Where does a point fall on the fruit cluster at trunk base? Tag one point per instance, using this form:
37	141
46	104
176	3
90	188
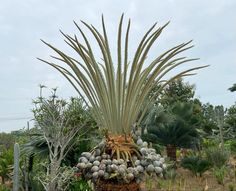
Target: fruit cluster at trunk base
119	160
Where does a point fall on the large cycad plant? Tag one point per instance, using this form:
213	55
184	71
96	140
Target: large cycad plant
116	95
178	129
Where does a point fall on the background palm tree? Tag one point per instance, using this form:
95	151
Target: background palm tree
174	128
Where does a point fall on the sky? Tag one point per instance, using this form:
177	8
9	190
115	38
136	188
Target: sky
211	24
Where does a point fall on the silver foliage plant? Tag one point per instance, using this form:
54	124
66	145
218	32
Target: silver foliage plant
117	95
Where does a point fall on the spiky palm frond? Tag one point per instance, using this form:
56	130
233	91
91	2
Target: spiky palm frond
178	127
196	164
117	95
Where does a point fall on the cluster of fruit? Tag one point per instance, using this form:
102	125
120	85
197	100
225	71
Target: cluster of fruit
100	165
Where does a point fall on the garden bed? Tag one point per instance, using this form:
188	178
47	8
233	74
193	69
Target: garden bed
185	181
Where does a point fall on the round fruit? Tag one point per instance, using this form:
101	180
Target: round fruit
106	176
97	152
114	161
81	165
158	170
145	144
162	160
130	176
102	166
101	173
114	167
86	154
140	168
95	175
96	163
150	168
83	160
139	142
92	159
99	158
143	151
137	162
121	170
89	165
94	169
157	163
121	161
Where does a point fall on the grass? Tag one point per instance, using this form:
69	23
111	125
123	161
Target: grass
186	181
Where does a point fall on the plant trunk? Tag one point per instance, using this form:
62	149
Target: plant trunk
31	163
3	180
171	152
54	170
103	185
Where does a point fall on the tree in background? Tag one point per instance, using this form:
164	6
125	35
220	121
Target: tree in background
177	91
6	140
218	122
173	114
59	127
230	118
35	149
233	88
178	128
209	120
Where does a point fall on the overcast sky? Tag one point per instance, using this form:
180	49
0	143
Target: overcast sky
211	24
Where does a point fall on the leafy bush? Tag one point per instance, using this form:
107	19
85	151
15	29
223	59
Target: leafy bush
196	165
218	157
231	187
206	143
4	188
80	185
6	161
220	174
232	145
159	148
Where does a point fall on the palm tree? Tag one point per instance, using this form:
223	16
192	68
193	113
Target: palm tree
178	129
116	96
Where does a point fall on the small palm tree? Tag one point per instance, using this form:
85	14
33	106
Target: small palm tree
196	164
117	96
178	129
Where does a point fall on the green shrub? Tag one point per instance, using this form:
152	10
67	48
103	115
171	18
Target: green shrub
159	148
80	185
196	164
220	174
231	144
218	157
4	188
206	143
231	187
6	161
